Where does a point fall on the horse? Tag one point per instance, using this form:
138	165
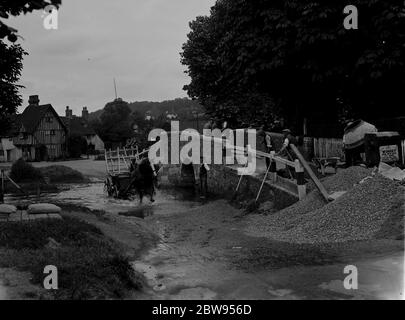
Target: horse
143	179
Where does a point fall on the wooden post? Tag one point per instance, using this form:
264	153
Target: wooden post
299	173
118	157
312	175
261	187
2	187
273	166
38	191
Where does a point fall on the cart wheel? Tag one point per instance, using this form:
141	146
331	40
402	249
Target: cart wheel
115	192
109	187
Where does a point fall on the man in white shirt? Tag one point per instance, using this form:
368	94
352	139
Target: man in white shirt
288	139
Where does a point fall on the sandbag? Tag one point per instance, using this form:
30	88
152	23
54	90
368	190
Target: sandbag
40	208
7	209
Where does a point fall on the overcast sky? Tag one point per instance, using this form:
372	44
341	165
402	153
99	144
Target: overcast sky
136	41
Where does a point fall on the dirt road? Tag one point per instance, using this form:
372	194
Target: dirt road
203	251
205	254
187	249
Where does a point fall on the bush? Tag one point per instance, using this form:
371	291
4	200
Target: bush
22	171
89	265
62	174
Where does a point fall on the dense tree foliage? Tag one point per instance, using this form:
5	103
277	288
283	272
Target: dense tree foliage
294	59
15	8
115	123
183	107
11	57
10	70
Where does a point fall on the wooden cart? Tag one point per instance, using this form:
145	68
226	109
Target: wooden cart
118	166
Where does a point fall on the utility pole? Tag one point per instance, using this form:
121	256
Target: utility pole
2	186
115	89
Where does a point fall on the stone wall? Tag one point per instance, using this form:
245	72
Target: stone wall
222	181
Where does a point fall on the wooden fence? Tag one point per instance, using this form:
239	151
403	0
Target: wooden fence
327	148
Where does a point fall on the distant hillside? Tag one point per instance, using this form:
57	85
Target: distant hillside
184	107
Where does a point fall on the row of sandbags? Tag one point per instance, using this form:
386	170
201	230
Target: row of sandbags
38	208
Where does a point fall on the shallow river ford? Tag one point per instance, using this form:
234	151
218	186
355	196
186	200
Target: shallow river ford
202	252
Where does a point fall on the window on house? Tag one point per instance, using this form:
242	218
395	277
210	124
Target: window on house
1	153
48	119
53	133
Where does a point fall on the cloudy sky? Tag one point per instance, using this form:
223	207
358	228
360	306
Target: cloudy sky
136	41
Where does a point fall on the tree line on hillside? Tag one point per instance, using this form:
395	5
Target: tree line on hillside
121	123
256	62
183	107
118	124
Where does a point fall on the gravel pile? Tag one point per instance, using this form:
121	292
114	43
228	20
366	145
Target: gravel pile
345	179
359	214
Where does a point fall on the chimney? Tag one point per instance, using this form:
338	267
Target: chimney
33	100
85	114
69	113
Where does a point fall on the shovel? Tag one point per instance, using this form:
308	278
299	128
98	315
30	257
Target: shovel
237	187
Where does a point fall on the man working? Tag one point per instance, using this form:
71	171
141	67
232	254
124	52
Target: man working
204	168
288	139
266	142
286	151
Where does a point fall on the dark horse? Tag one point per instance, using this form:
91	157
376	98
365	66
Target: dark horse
143	179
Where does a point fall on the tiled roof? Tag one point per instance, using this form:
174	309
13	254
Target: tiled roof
33	114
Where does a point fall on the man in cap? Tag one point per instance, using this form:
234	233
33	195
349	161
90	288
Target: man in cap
288	139
286	151
266	142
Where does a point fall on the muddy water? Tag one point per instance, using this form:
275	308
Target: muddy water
93	197
203	252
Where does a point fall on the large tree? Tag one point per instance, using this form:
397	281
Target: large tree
115	124
294	59
11	56
10	71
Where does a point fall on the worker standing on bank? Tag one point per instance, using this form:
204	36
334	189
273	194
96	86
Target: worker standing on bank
267	142
286	149
204	168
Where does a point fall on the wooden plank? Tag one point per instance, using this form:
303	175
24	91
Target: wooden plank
312	175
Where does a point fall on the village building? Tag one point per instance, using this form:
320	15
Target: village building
80	126
41	134
8	151
171	116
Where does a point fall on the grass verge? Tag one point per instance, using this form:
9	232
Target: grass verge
89	265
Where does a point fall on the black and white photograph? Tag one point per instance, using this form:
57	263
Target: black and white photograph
219	152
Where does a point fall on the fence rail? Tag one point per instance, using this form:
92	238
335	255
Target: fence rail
328	148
